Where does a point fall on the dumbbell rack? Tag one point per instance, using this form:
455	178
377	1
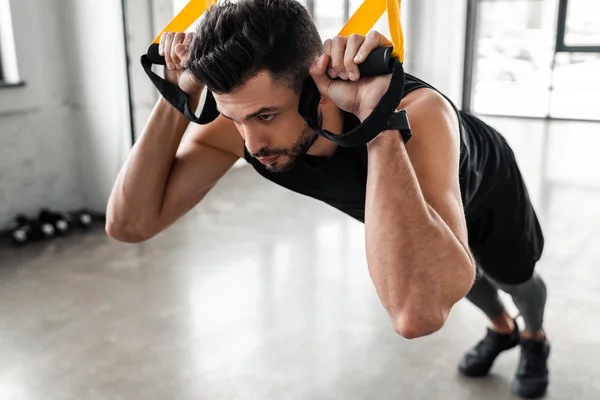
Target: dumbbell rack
47	225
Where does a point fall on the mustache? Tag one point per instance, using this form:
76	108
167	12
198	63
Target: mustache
270	153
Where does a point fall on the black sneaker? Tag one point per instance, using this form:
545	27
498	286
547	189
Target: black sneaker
478	361
531	380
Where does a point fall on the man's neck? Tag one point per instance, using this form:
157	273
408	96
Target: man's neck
333	121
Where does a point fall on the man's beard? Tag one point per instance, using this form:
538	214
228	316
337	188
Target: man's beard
293	154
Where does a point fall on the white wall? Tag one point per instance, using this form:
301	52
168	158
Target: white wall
64	136
38	158
98	87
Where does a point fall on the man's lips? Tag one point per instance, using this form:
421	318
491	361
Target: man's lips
267	160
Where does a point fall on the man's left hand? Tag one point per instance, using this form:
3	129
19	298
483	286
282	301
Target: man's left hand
337	76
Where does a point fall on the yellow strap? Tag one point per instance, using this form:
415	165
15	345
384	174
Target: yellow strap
393	9
364	18
360	23
186	17
369	13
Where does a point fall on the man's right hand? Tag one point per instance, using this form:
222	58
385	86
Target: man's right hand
175	47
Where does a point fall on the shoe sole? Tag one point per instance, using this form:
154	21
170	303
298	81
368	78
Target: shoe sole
469	374
529	393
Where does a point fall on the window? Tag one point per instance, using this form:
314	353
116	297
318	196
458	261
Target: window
513	57
9	74
524	63
577	61
1	72
579	26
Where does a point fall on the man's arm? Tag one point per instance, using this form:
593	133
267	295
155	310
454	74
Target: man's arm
416	236
164	177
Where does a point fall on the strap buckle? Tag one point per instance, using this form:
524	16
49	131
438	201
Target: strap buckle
399	121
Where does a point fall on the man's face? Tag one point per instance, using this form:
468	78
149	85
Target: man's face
265	113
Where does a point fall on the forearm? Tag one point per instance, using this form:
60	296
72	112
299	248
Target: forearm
138	192
418	265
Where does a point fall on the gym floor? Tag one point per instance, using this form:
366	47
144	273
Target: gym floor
259	293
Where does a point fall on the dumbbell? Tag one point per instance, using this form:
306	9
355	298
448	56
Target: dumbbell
61	222
83	219
26	230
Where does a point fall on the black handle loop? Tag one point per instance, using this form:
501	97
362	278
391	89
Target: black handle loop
173	94
154	56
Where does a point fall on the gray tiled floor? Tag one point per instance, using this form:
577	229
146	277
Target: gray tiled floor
259	293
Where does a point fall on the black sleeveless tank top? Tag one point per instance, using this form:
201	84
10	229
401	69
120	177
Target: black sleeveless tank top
341	180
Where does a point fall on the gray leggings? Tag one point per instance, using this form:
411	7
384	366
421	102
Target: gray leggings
529	298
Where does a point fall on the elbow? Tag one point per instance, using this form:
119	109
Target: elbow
125	233
431	314
412	326
464	280
422	315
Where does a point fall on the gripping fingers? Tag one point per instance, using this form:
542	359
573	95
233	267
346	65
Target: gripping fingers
338	49
327	51
187	43
353	45
372	41
166	44
178	39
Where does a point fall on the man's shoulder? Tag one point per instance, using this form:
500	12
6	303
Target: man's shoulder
424	89
427	103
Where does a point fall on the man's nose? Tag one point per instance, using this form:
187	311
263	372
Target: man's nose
255	140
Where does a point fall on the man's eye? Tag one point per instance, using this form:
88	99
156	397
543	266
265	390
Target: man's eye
266	117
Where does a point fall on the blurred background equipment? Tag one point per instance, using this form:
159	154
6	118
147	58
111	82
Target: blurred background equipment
49	224
62	222
26	230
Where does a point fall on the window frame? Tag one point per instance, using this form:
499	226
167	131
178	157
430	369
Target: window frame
561	47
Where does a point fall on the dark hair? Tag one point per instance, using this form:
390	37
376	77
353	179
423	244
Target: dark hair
235	41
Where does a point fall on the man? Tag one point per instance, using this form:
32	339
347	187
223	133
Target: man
434	208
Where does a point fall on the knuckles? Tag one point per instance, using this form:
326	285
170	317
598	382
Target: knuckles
339	40
168	43
341	61
356	39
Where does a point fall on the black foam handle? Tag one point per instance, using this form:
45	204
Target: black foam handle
378	62
154	56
